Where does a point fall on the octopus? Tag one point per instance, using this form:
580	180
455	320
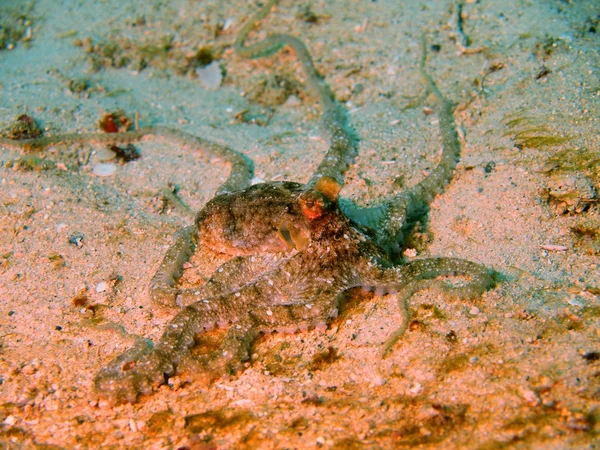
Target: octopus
293	249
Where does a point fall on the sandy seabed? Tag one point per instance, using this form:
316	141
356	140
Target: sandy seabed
518	368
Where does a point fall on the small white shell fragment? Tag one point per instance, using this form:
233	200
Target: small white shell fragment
378	380
415	388
102	286
210	76
105	154
530	397
104	170
10	421
555	248
227	23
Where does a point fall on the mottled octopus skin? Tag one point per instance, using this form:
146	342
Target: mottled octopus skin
285	289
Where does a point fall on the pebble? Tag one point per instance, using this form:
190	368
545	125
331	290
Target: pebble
474	311
102	287
104	170
410	252
576	301
378	380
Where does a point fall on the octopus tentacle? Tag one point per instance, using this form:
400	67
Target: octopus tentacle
396	216
162	285
140	369
144	367
232	351
230	276
342	139
421	274
241	167
435	183
135	371
314	311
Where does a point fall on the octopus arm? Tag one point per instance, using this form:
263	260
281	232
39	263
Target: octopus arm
391	220
162	286
240	175
141	369
421	274
343	143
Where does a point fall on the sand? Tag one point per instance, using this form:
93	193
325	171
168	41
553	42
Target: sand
518	368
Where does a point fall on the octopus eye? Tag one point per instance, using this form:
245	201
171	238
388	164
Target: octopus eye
312	205
315	202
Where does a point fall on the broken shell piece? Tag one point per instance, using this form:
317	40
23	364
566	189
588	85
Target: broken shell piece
105	154
104	170
210	76
554	248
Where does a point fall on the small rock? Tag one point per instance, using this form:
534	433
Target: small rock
76	239
102	287
576	301
410	252
554	248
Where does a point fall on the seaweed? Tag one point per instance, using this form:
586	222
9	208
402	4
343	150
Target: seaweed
530	132
574	160
545	48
